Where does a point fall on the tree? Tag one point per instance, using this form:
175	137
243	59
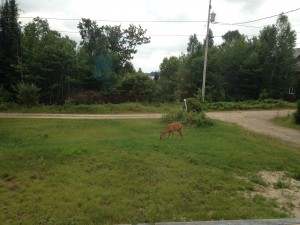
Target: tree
194	45
210	39
27	94
238	63
137	88
111	42
48	61
276	46
232	36
10	34
169	79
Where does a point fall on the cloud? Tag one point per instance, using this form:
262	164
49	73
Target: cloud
247	6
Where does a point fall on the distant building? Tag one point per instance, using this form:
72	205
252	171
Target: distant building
297	56
296	81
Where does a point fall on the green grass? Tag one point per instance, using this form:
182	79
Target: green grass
92	109
118	171
287	121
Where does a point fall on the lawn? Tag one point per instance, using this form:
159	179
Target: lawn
118	171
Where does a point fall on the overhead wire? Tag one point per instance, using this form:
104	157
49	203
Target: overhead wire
242	24
163	21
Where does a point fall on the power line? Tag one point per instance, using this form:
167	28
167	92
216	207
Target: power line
165	21
268	17
121	21
230	24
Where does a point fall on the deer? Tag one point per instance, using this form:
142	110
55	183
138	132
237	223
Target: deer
171	128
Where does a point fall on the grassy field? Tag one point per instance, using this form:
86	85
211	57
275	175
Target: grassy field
118	171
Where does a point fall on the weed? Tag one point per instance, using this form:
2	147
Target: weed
280	185
258	180
296	175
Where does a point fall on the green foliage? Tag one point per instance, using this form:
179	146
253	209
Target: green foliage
264	94
87	97
258	180
112	42
296	174
5	96
276	56
194	104
169	78
27	94
297	113
136	88
237	70
48	61
280	185
10	34
187	117
250	104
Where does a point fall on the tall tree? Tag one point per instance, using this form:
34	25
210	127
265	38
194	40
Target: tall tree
238	64
232	36
169	79
194	45
48	61
10	34
276	48
115	44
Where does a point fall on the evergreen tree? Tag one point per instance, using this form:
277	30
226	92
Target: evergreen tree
10	35
276	54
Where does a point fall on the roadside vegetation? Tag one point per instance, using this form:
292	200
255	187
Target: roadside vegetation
133	107
118	171
290	121
41	66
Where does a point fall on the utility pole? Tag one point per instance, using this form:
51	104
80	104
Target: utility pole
205	56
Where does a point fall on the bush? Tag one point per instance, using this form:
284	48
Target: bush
87	97
193	104
297	113
191	117
4	95
27	94
249	104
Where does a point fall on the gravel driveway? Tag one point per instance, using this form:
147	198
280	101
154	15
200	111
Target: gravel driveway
259	121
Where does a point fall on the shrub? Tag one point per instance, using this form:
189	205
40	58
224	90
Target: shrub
194	104
297	113
4	95
27	94
87	97
191	117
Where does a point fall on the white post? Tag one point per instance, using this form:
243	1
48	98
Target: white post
185	104
205	56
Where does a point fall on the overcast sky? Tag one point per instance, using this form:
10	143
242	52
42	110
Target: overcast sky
167	38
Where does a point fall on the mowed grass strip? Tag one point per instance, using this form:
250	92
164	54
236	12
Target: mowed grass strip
118	171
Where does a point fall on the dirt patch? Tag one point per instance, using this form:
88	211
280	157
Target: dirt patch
260	122
278	186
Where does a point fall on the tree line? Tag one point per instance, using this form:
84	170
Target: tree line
39	65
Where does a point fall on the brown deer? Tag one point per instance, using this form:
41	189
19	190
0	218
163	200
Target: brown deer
171	128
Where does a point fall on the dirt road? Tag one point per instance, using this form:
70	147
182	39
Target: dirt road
258	121
80	116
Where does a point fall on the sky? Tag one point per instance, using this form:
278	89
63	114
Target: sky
169	23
